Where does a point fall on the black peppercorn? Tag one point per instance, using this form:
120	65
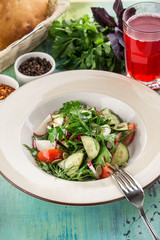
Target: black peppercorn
35	66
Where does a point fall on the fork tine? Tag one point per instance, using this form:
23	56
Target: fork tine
133	182
127	179
120	183
124	180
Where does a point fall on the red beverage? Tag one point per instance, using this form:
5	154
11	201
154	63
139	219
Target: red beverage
142	46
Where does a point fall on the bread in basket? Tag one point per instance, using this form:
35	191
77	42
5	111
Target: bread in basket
28	25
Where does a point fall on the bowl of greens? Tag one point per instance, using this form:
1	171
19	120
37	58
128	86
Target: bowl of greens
82	143
76	130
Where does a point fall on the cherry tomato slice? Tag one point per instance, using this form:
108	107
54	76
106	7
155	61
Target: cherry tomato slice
128	139
105	171
50	155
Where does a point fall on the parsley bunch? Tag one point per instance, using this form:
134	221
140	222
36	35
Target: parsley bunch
83	44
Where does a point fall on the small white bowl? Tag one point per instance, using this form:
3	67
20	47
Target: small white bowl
21	78
8	81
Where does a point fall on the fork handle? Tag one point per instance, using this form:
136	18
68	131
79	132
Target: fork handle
149	226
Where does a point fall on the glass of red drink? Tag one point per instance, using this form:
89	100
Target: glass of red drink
141	28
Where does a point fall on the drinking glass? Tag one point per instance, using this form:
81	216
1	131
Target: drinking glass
141	28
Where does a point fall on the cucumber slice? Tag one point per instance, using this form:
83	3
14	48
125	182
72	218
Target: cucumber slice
114	119
58	121
72	163
91	146
121	127
121	155
105	112
57	115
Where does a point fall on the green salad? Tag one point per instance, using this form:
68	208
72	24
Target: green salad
82	143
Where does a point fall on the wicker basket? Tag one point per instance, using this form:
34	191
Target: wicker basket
34	38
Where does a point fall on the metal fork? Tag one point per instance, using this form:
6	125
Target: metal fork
134	194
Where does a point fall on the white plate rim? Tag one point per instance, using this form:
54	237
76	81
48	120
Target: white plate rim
76	77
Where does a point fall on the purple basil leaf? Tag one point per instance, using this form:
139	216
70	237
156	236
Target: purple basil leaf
130	13
120	21
119	36
118	7
103	18
115	45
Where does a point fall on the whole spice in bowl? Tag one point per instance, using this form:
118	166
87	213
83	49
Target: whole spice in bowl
35	66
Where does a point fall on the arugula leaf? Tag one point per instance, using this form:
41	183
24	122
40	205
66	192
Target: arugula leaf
75	145
103	156
76	128
69	106
57	172
110	138
33	151
83	173
56	133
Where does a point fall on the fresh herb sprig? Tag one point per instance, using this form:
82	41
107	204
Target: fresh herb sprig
105	20
56	133
33	151
83	44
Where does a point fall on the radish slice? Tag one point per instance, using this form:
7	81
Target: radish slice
89	164
56	124
42	145
42	128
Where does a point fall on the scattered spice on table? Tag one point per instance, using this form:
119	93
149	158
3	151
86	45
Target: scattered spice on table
5	91
35	66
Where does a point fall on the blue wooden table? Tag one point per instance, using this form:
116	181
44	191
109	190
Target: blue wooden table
23	217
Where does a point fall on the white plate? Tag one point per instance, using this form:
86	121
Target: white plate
29	105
